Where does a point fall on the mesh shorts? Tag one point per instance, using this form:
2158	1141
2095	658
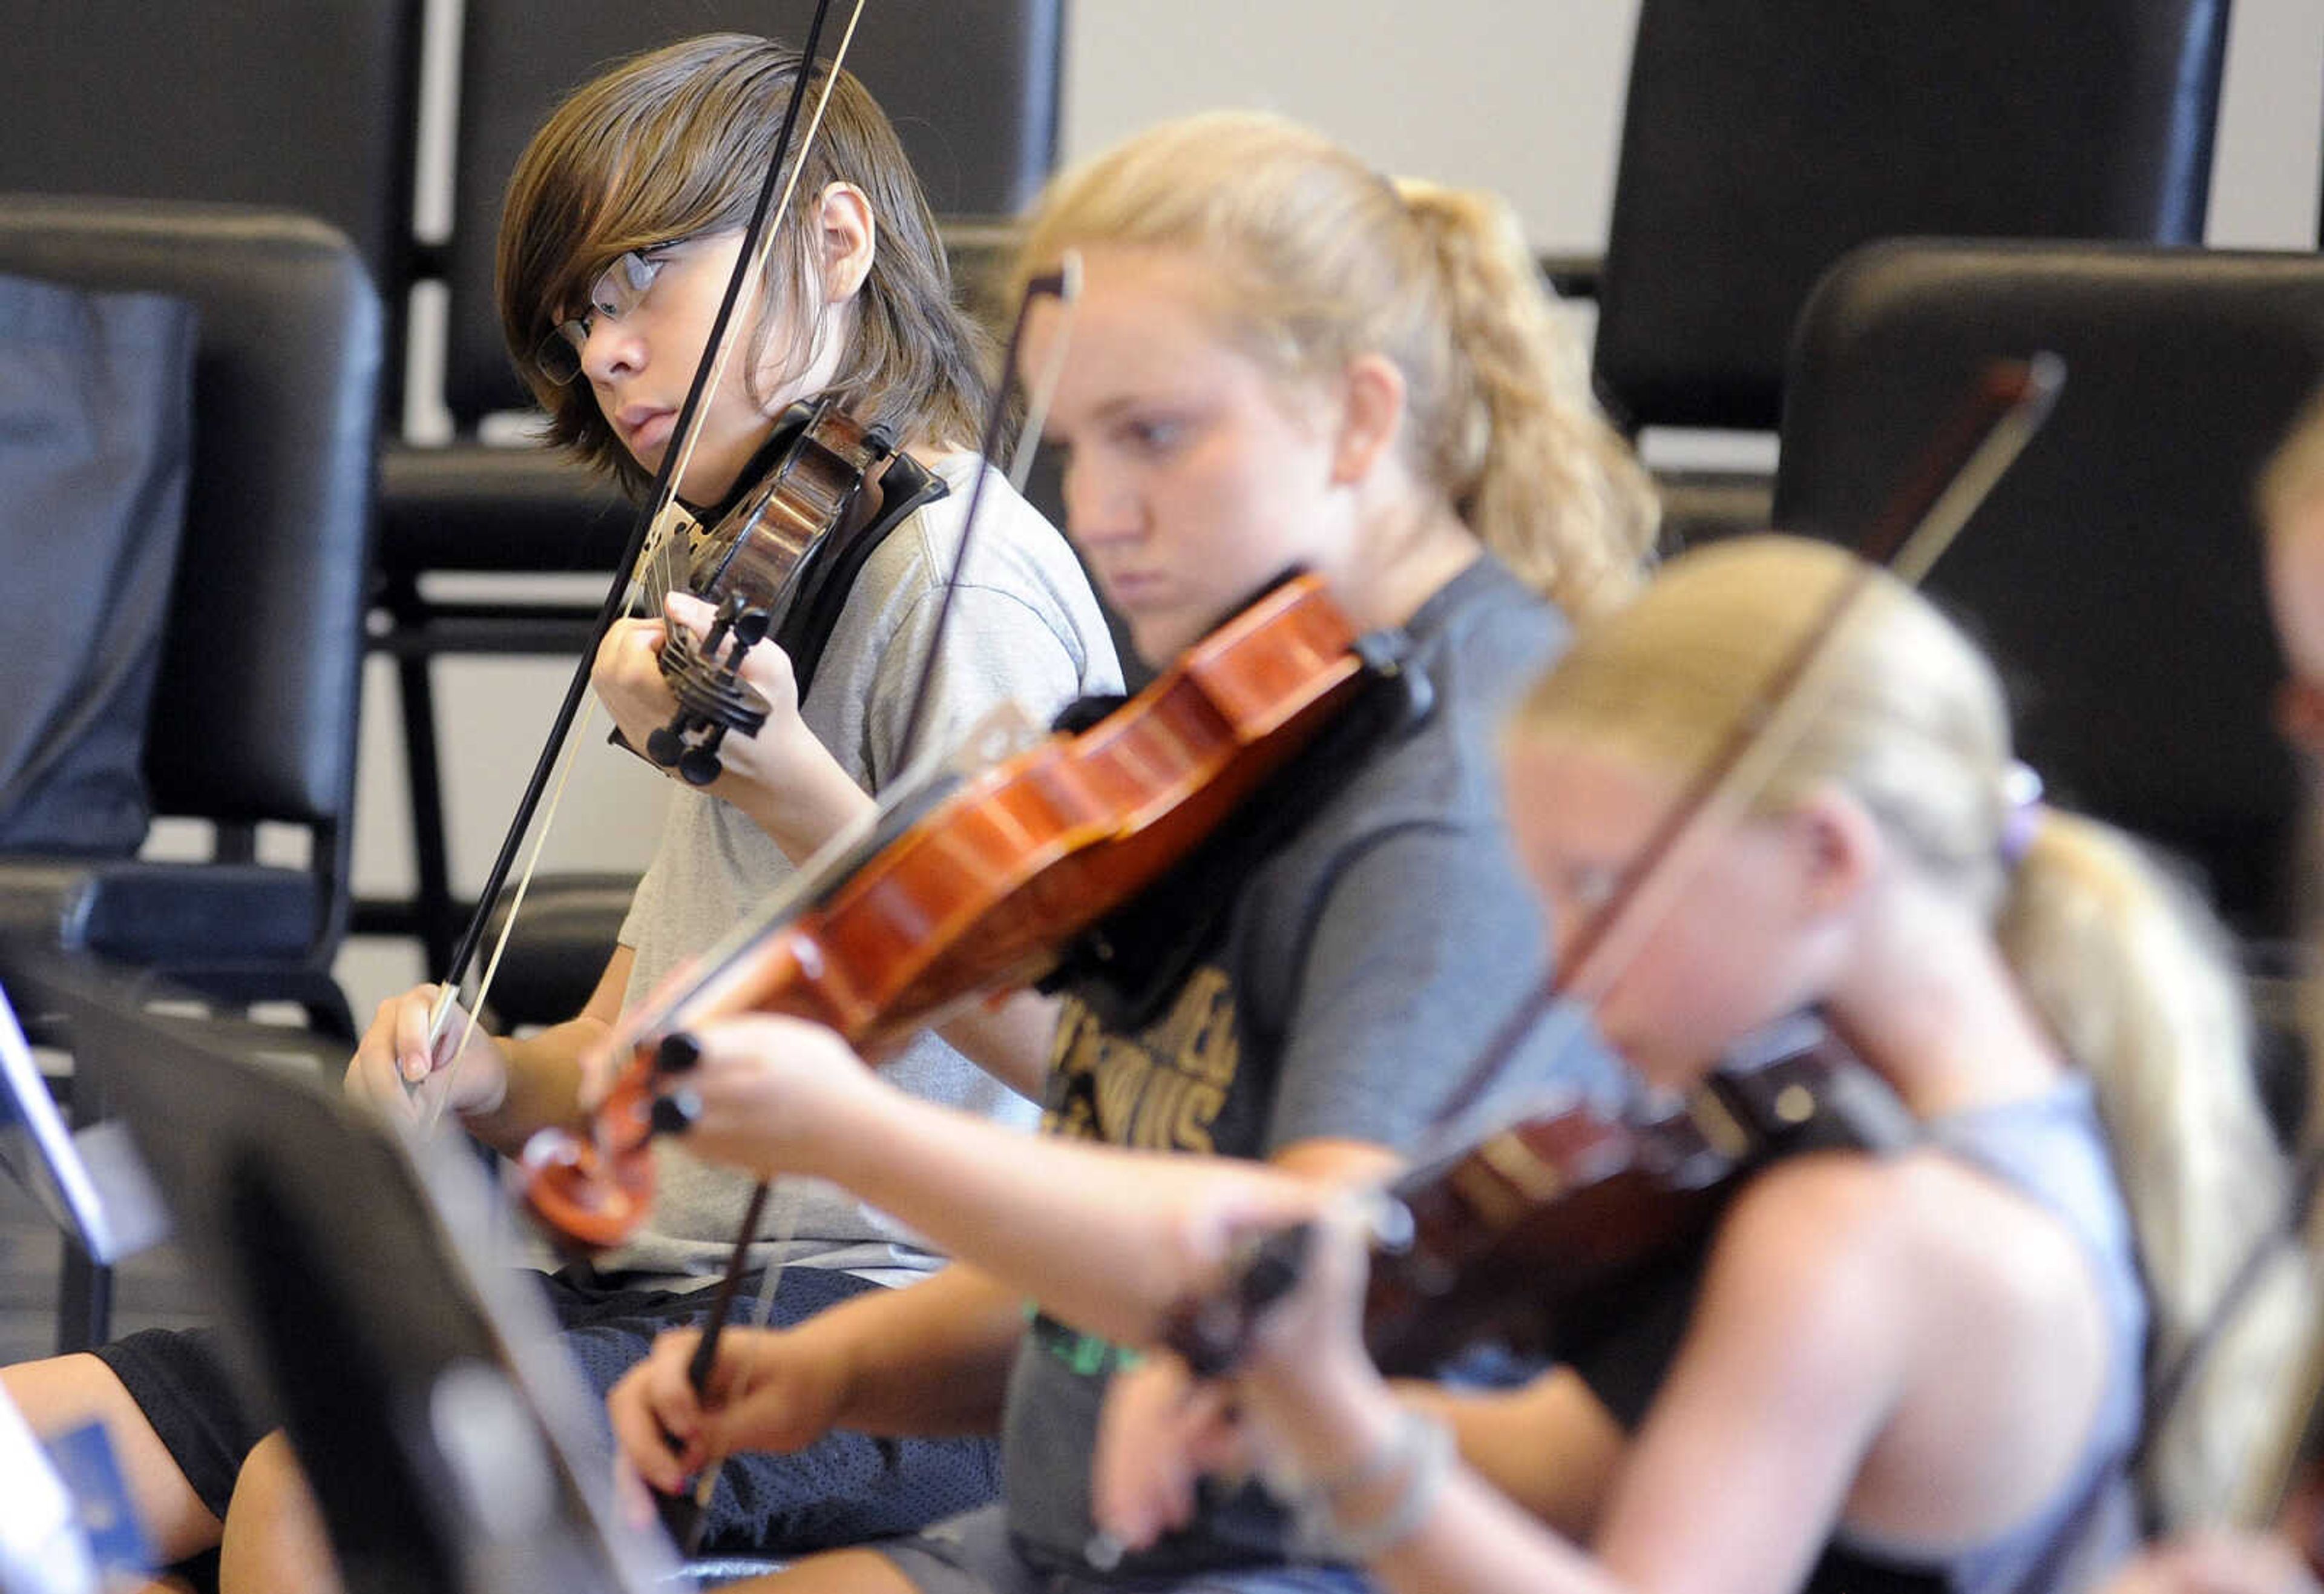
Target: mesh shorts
973	1554
841	1490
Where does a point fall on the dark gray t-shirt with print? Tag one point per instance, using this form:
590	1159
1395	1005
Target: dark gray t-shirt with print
1357	970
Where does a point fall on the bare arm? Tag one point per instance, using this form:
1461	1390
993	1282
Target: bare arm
1550	1446
544	1069
1093	1232
1008	1039
929	1359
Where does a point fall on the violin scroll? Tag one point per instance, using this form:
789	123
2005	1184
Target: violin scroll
592	1190
713	698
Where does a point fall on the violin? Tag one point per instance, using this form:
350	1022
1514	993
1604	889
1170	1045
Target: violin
1530	1236
985	883
822	492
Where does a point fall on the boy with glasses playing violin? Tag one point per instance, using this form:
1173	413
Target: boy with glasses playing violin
622	224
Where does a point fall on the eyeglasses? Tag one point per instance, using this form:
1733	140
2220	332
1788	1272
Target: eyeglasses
613	296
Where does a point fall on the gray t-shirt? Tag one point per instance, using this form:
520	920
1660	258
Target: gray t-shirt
1024	629
1362	964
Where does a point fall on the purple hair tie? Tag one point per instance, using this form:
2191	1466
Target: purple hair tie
2021	797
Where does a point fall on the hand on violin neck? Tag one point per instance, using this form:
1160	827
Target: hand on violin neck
782	776
1284	1321
1302	1404
628	681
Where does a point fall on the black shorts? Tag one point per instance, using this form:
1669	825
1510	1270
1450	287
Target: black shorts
842	1490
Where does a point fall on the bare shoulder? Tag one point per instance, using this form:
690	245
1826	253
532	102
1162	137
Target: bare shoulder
1914	1209
1830	1243
1815	1213
1810	1259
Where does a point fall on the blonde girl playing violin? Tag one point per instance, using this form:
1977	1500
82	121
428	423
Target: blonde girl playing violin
1280	357
1925	1365
622	224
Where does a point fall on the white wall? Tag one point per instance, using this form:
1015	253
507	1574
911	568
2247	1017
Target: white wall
1523	96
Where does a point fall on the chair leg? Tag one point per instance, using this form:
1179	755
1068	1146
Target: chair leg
84	1302
432	893
84	1286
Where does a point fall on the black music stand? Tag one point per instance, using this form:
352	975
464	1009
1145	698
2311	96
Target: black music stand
428	1400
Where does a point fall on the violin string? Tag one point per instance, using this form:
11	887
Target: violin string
621	591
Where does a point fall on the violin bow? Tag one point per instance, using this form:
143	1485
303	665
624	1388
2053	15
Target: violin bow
2011	400
1065	285
758	238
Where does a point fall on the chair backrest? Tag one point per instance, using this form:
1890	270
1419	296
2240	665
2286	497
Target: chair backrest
2115	571
297	104
1760	142
971	87
254	710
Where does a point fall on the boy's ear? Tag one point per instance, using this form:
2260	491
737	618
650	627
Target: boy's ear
1372	395
848	232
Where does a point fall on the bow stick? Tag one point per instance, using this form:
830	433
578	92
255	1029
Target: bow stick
653	517
687	1515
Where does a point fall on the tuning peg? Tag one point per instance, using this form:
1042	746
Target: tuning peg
677	1052
676	1113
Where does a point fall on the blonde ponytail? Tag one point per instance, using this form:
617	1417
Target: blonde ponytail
2135	979
1553	489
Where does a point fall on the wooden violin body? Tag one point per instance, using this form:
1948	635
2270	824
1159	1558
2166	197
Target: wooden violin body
824	486
981	886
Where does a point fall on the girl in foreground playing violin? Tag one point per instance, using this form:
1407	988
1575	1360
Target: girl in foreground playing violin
622	223
1278	358
1927	1363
